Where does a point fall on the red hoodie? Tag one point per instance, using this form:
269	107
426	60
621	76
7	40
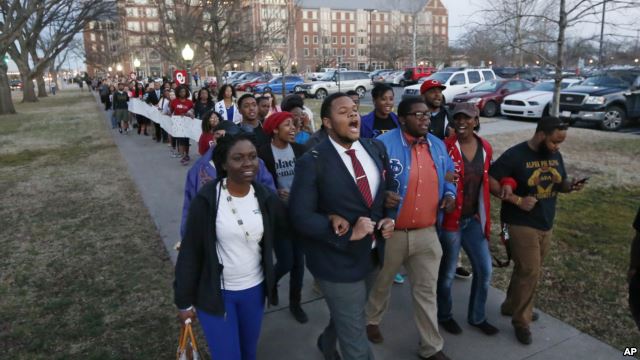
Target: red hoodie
452	221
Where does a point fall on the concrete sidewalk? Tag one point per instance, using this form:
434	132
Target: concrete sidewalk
160	180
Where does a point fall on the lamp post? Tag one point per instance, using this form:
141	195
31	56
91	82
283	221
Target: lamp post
187	55
370	33
136	65
119	69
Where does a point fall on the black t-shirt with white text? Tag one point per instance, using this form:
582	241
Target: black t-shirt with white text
536	176
381	126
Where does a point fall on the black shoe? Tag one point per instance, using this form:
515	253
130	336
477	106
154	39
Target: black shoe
523	335
437	356
462	273
120	131
334	356
451	326
534	316
486	328
298	313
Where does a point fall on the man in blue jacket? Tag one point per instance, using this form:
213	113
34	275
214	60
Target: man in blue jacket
419	164
337	206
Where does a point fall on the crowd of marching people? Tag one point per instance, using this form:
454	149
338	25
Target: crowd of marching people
355	202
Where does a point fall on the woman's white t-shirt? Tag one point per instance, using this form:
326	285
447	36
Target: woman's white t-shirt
240	255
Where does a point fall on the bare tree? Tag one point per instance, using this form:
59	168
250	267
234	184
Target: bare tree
14	15
58	21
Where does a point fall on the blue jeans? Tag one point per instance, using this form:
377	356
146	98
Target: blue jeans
235	336
472	239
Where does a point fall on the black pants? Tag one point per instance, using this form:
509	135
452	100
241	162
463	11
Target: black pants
161	135
634	298
290	260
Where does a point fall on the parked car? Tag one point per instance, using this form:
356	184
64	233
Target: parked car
488	96
228	76
380	78
457	80
534	103
375	73
317	75
413	74
394	78
292	84
609	99
254	81
15	84
338	81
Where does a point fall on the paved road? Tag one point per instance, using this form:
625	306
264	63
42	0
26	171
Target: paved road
160	180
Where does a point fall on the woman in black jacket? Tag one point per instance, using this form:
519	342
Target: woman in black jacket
225	266
279	156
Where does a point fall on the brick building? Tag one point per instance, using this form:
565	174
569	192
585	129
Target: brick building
325	33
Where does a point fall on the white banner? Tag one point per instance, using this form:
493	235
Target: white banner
176	126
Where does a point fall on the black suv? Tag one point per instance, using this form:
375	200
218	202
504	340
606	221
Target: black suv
608	98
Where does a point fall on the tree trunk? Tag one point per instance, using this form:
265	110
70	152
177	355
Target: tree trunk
6	103
555	109
414	39
28	90
42	86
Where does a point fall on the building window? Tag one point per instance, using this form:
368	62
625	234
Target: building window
334	15
152	12
306	52
305	27
315	39
132	12
334	51
93	37
315	27
386	29
305	39
133	26
352	28
437	30
361	41
343	40
378	28
352	52
334	39
343	51
334	27
153	26
343	27
353	40
443	30
315	52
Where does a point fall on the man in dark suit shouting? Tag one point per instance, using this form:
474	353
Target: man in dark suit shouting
337	205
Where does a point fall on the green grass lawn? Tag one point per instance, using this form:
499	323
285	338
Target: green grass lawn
584	275
83	272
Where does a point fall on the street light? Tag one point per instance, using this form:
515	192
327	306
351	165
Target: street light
187	55
235	66
636	60
490	62
370	33
110	69
119	67
136	65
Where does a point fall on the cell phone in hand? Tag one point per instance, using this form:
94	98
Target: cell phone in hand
582	181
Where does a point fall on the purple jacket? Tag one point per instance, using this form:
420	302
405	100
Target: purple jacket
202	172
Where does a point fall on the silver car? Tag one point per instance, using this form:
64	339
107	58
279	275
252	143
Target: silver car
338	81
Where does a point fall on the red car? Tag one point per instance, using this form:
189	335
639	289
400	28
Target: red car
413	74
252	83
489	95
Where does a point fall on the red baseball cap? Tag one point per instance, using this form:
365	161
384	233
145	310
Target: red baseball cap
430	84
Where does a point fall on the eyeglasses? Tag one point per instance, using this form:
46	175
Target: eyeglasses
420	114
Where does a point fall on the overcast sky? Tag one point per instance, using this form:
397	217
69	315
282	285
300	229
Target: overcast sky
463	12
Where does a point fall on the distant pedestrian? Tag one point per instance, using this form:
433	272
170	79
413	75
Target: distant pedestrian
226	105
295	105
248	108
210	121
382	118
121	108
203	103
182	106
